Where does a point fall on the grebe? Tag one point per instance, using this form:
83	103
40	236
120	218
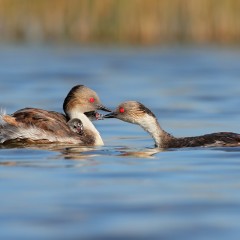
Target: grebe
76	125
137	113
42	126
85	135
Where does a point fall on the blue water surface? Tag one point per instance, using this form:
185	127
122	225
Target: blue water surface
125	189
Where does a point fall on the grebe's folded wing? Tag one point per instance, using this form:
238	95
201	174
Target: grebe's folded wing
212	139
46	120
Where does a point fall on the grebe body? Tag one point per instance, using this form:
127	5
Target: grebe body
42	126
136	113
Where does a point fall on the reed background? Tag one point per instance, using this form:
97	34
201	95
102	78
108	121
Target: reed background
120	21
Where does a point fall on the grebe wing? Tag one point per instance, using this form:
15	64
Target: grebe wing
212	139
47	120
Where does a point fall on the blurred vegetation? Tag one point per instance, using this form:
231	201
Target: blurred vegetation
120	21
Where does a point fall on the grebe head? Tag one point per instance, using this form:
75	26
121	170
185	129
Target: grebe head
137	113
132	112
76	125
82	99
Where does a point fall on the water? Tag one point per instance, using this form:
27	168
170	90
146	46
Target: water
125	189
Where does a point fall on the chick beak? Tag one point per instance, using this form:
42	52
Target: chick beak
110	115
80	130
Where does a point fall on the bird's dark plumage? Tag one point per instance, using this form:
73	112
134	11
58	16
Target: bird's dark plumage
213	139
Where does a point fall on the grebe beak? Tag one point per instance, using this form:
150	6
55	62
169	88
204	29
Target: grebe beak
110	115
101	107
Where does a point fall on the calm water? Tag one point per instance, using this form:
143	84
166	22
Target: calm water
125	189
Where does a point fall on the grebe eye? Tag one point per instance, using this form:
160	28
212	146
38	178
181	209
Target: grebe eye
92	100
121	110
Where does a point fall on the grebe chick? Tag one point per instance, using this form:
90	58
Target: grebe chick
76	125
86	135
137	113
37	125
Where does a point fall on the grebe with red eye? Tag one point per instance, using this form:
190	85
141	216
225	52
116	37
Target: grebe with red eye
37	125
92	100
137	113
121	110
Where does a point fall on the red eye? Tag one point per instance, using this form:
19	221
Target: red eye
121	110
92	100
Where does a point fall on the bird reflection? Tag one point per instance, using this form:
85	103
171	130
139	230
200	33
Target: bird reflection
143	153
83	153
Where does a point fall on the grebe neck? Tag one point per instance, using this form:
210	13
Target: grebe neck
150	124
87	124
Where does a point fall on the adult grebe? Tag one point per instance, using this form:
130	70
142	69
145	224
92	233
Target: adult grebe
42	126
137	113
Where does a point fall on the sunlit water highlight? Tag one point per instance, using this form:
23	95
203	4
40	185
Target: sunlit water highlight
125	189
